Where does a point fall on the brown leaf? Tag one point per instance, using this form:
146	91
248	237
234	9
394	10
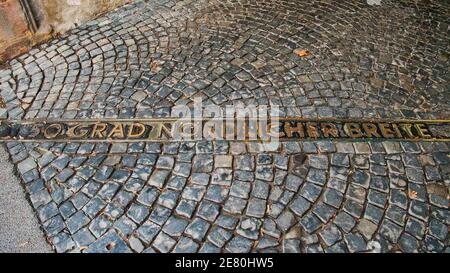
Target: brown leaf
412	194
2	103
111	246
302	52
155	67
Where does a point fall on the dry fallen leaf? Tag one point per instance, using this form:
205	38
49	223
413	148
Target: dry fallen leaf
2	103
155	67
110	246
412	194
268	208
302	52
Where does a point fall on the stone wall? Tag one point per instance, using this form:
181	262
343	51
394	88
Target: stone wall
24	23
15	34
63	15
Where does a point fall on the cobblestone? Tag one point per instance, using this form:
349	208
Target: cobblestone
221	196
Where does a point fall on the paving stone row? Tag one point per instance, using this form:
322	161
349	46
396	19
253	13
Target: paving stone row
225	196
388	61
147	57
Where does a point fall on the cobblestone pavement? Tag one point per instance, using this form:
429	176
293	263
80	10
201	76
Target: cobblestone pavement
19	227
388	61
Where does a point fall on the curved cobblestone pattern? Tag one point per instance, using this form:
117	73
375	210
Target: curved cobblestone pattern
387	61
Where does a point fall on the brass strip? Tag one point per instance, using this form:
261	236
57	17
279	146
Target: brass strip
153	120
159	130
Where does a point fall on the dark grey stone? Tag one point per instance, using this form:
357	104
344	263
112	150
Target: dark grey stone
239	245
197	229
355	242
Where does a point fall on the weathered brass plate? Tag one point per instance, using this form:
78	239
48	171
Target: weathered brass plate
161	130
